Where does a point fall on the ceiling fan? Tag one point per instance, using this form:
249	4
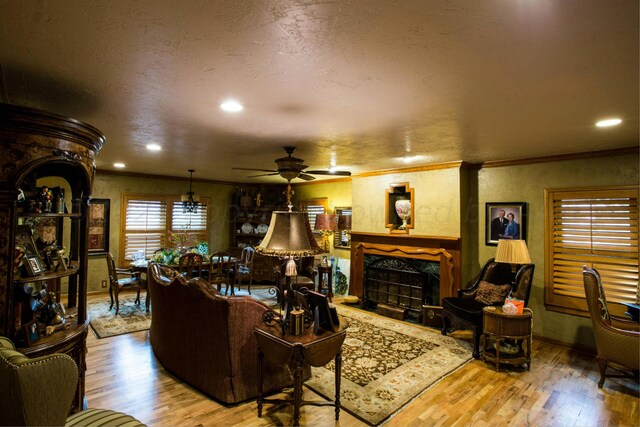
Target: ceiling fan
291	167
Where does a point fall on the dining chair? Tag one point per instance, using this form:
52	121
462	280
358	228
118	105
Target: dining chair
221	271
190	265
245	267
132	280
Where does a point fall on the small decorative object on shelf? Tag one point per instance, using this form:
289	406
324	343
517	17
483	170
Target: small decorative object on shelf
403	209
399	208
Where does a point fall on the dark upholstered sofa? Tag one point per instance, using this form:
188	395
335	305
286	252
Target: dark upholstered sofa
207	339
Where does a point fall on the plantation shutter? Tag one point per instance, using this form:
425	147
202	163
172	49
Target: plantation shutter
597	228
194	223
145	226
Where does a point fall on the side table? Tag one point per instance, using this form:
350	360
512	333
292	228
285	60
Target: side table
325	272
316	350
498	326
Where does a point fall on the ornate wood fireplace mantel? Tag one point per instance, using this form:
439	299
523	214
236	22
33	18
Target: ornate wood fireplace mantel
445	250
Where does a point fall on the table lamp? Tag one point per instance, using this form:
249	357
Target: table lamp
289	236
514	252
326	224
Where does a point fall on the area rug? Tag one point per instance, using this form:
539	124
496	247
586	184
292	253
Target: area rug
386	363
132	317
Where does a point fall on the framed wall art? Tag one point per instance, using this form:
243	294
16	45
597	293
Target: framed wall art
505	220
99	210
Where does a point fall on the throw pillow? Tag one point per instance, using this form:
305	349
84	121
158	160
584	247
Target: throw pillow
491	294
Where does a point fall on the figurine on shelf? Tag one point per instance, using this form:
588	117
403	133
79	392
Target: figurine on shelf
60	205
46	199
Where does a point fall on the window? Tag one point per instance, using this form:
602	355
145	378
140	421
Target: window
149	220
314	207
593	227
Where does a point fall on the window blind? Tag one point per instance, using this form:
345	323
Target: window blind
597	228
145	226
148	219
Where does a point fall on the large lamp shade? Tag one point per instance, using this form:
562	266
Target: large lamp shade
289	234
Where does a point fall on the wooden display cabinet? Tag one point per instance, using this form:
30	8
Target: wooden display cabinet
35	145
250	216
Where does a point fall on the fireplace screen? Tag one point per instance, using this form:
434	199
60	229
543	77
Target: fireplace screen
401	282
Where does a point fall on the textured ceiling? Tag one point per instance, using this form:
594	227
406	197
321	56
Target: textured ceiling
357	83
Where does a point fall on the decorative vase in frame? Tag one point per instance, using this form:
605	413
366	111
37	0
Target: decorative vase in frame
403	209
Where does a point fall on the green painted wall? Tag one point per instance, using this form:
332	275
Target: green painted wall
113	186
527	184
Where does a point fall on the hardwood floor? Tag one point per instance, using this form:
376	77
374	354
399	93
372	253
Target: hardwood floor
560	390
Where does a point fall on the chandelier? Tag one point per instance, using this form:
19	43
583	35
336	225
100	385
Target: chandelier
190	200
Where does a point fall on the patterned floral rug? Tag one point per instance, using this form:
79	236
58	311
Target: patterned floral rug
387	363
132	317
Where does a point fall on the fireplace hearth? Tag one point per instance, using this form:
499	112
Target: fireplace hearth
404	271
405	283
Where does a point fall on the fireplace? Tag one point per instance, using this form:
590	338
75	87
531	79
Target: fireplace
405	283
414	257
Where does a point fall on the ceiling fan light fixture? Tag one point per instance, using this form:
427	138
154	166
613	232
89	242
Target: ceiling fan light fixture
231	106
608	122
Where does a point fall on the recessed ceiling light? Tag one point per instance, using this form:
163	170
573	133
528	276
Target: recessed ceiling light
118	165
154	147
231	106
608	122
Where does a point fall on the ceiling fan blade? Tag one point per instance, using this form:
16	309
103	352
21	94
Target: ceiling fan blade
263	174
252	169
306	177
336	173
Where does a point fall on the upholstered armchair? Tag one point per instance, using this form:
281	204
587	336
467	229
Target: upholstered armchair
40	391
617	339
491	287
306	277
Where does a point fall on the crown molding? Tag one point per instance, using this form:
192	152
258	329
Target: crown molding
559	157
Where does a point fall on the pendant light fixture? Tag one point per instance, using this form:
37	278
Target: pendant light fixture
190	200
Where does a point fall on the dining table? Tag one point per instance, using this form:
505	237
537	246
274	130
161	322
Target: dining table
141	265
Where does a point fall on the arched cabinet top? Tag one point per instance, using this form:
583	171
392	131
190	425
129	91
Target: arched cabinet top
49	145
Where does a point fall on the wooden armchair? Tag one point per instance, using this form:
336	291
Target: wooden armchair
131	281
306	277
245	267
491	287
617	339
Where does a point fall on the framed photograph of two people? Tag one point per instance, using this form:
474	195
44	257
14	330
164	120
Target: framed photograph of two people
505	220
